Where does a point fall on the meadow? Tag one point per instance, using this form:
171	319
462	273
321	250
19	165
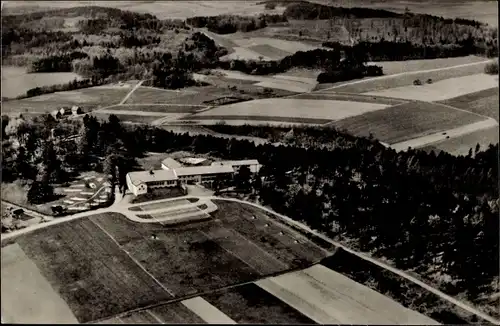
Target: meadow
387	82
273	109
16	80
406	121
396	67
441	90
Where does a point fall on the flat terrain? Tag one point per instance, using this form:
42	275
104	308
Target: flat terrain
443	89
396	67
328	297
381	83
349	97
482	102
74	257
290	108
257	118
16	80
88	98
461	145
406	121
27	295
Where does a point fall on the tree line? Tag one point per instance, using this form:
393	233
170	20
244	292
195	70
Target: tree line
227	24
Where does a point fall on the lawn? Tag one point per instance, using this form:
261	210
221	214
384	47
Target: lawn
164	204
407	121
249	304
75	258
441	90
292	108
87	98
328	297
461	145
483	102
381	83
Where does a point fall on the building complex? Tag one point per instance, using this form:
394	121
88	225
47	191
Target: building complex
174	174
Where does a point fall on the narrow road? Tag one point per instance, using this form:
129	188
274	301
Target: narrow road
131	92
287	220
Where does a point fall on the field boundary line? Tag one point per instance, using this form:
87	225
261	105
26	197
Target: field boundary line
155	316
377	262
405	73
132	258
131	92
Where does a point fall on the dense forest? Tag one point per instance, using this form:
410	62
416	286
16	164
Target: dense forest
436	215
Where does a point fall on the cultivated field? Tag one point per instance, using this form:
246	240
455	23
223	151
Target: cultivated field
291	110
16	80
130	118
482	102
75	259
461	145
349	97
27	295
328	297
443	89
396	67
87	98
381	83
406	121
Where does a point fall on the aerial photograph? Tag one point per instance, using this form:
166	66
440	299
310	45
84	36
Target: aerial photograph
250	162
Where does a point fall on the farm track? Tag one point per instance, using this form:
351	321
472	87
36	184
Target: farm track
131	92
287	221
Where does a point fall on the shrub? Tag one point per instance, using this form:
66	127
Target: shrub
417	82
429	81
491	68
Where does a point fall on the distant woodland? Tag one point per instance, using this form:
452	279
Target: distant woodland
107	44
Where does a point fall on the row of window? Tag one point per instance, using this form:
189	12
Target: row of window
161	183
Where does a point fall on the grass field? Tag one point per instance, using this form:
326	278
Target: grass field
482	102
443	89
142	119
377	84
269	51
461	145
396	67
407	121
74	257
258	118
16	80
348	97
158	108
328	297
292	108
166	204
86	98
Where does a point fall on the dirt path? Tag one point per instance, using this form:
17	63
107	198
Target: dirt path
131	92
439	136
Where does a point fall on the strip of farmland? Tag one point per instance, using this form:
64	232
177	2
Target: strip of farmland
461	145
348	97
207	312
380	83
269	51
407	121
483	102
27	296
249	304
158	108
74	257
328	297
260	118
176	313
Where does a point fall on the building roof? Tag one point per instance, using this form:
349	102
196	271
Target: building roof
239	162
199	170
193	160
171	163
139	177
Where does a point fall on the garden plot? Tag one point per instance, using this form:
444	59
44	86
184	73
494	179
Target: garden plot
441	90
328	297
275	109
